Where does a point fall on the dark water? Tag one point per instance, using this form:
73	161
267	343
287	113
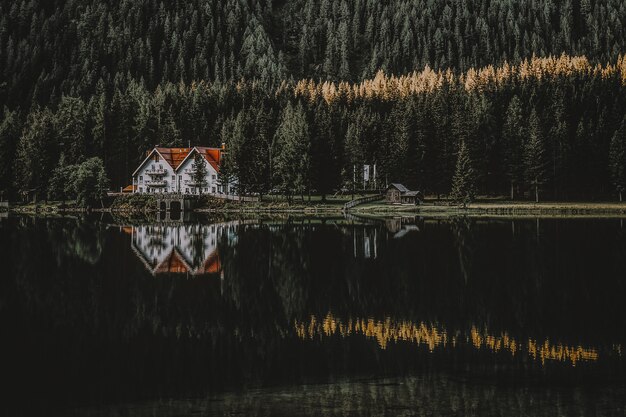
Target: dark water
313	316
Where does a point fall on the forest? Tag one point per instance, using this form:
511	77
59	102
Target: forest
482	97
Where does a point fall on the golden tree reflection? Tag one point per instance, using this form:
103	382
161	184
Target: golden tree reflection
434	336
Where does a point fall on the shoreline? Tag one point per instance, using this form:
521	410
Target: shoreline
428	209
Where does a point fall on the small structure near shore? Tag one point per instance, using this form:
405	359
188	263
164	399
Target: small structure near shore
399	194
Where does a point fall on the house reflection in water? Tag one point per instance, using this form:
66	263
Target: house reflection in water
365	242
367	237
179	249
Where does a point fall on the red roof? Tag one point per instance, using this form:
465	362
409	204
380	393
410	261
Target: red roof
176	156
129	189
212	155
174	263
211	265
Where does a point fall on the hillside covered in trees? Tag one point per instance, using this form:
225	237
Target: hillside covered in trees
322	86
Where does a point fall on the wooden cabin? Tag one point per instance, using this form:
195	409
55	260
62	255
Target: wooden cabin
399	194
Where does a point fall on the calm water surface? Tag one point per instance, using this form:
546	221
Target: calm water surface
313	316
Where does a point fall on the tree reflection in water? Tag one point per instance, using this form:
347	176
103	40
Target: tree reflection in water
137	310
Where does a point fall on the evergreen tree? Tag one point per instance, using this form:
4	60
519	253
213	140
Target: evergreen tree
535	171
36	152
326	150
198	172
10	129
71	123
513	138
291	158
60	187
617	159
464	180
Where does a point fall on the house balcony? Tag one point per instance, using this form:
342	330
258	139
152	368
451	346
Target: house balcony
194	183
156	183
157	172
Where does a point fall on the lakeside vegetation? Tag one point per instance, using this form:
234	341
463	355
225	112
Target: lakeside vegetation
131	205
460	98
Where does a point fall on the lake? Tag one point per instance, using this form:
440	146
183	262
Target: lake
313	316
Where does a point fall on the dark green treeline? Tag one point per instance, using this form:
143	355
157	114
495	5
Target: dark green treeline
83	79
58	47
563	137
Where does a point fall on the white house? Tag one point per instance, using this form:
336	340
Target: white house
170	170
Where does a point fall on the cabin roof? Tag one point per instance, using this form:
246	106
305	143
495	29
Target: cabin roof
399	187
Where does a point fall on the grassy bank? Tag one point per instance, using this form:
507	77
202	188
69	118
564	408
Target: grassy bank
499	208
144	203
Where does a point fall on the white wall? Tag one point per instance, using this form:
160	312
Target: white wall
178	181
185	172
141	179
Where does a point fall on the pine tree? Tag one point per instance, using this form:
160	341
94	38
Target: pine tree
60	180
36	152
534	155
464	180
70	123
617	159
198	171
513	137
10	129
291	157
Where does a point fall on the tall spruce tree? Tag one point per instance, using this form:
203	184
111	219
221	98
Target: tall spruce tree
535	171
291	158
512	143
198	172
464	180
617	159
10	130
37	153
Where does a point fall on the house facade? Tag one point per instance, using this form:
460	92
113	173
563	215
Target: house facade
171	170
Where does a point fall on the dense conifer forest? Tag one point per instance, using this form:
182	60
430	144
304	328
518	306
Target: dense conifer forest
501	97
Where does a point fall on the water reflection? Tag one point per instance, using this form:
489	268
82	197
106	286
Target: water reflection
484	299
179	248
436	336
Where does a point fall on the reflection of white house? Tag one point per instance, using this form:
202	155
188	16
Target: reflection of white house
186	248
170	170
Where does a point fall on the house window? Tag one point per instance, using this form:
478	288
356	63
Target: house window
173	177
213	177
160	166
187	190
141	189
213	190
141	178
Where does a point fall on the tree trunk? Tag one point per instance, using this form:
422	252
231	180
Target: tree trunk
536	191
620	197
512	191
